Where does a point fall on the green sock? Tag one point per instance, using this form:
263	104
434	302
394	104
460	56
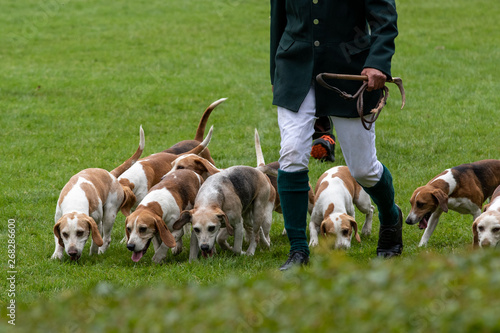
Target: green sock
382	195
293	188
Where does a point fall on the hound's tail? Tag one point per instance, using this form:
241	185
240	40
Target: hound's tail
200	132
128	163
258	150
199	148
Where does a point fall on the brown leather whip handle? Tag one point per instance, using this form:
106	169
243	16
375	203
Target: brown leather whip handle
358	96
349	77
320	78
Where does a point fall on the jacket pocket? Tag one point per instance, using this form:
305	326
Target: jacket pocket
286	41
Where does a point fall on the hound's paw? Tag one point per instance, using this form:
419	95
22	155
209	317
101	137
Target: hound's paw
178	249
366	232
158	258
57	255
313	243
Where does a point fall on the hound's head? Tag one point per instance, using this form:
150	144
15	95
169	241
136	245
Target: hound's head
340	226
425	201
72	231
486	229
141	226
196	163
206	222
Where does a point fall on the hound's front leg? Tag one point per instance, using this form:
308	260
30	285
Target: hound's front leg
431	225
194	249
238	238
160	250
59	251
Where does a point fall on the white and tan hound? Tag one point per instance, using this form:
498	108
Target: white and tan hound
155	216
336	194
463	188
486	228
88	205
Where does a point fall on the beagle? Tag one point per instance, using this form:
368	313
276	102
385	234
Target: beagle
187	145
239	198
87	206
333	214
148	172
154	217
463	188
274	179
486	228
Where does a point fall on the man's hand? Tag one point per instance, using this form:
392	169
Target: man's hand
376	79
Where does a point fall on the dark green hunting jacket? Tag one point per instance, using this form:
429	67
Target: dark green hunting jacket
309	37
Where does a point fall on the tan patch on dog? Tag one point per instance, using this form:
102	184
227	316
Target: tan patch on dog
320	187
327	227
69	185
101	183
126	183
329	209
155	208
100	180
349	182
183	185
345	223
156	166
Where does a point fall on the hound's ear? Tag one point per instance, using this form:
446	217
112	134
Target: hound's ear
354	225
96	236
165	234
223	218
209	167
57	233
129	200
322	229
185	217
442	199
126	230
475	241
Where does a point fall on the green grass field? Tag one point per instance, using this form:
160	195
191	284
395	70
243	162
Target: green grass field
77	79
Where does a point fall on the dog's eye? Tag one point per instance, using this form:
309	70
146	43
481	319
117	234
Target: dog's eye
345	232
495	230
197	230
420	204
79	233
129	230
142	229
480	228
180	167
65	234
211	228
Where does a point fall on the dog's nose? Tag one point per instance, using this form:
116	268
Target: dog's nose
72	252
204	247
131	247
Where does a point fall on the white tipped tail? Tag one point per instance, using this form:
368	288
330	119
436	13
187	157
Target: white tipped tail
201	147
258	150
217	102
142	141
200	131
128	163
207	139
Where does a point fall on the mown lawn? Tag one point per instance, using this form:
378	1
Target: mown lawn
77	79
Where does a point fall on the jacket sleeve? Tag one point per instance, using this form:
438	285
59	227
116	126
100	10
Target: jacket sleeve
382	19
278	24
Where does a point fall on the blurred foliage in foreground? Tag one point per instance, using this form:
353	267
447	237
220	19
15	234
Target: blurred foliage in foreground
430	293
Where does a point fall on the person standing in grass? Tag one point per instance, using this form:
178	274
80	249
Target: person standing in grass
309	37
